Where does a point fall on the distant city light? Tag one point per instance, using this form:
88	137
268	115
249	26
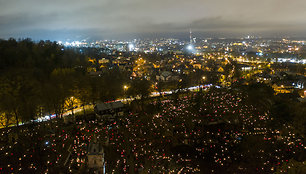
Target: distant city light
131	47
190	47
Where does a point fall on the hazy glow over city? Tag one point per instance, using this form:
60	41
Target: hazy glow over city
126	19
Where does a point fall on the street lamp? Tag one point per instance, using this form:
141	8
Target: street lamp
203	79
125	88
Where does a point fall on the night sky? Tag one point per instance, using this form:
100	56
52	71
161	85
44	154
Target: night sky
126	19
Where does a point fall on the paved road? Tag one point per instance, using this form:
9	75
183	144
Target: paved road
124	100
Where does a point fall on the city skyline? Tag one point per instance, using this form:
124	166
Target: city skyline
76	20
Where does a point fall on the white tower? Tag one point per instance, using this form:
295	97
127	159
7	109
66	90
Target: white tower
190	36
190	45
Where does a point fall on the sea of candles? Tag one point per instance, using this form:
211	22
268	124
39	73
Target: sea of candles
181	137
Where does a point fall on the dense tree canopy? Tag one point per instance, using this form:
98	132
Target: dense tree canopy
42	78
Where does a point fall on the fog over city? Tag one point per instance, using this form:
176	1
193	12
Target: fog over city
109	19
